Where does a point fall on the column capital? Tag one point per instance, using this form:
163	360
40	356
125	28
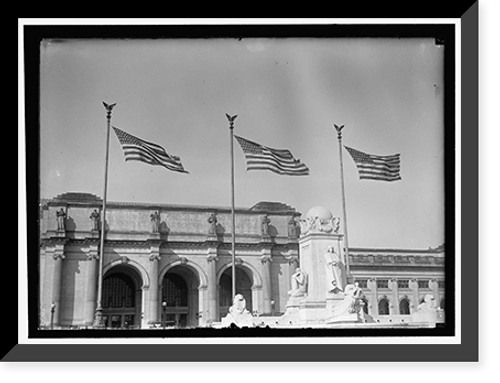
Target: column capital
155	257
212	258
58	255
266	259
92	255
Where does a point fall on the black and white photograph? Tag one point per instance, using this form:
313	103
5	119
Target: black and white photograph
243	183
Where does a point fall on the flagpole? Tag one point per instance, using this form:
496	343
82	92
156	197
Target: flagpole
98	322
344	212
233	237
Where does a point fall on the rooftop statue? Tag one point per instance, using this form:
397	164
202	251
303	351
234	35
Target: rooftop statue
155	222
61	220
212	220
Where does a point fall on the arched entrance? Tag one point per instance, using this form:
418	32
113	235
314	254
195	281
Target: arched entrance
179	298
404	307
243	287
121	298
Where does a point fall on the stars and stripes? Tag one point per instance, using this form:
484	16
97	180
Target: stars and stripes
279	161
136	149
372	167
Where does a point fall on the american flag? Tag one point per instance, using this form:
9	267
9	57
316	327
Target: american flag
136	149
280	161
372	167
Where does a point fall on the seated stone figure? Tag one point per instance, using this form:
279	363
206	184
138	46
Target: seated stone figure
426	311
238	314
351	302
429	304
298	283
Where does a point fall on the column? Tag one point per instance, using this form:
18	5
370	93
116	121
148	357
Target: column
373	300
154	258
394	304
266	283
433	285
212	288
415	300
58	257
202	313
91	285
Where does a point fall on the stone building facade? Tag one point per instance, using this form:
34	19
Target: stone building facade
396	281
171	265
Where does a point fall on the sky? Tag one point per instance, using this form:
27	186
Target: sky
287	93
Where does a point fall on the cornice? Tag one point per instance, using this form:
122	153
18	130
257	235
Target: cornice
51	241
396	260
85	199
393	251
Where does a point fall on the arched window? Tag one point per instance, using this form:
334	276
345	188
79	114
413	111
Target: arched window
243	287
118	291
174	291
404	307
225	290
441	304
383	307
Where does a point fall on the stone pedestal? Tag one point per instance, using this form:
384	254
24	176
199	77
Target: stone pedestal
318	304
322	260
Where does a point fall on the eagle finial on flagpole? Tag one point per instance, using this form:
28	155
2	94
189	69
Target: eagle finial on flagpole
231	120
339	130
109	108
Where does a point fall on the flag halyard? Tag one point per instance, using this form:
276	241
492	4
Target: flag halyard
136	149
280	161
374	167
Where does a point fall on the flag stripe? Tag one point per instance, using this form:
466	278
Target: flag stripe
271	159
379	168
378	172
152	162
136	149
254	164
280	161
373	167
380	178
146	157
130	150
282	172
